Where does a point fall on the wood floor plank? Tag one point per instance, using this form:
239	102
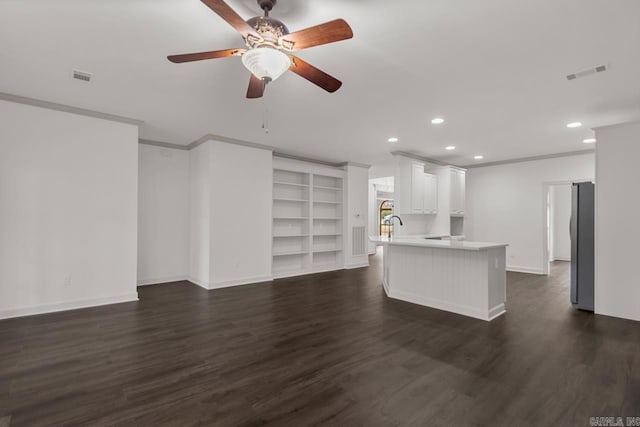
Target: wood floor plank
324	349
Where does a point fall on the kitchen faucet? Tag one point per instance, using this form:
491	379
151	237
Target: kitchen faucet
389	221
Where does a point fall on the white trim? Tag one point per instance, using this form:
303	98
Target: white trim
385	286
476	313
497	311
203	285
560	258
67	109
420	158
239	282
632	122
67	305
296	273
357	165
230	283
219	138
530	159
357	265
162	144
149	282
528	270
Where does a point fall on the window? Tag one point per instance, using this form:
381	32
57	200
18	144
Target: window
386	209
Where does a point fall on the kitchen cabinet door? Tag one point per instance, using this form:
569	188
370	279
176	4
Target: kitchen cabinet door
430	198
417	188
458	180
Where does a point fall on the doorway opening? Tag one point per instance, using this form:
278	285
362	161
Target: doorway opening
386	209
558	220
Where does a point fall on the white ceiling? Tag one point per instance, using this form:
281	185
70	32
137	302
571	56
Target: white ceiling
494	69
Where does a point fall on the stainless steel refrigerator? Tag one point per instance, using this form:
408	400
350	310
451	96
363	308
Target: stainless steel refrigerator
582	229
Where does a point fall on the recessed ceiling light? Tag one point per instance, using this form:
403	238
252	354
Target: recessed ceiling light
574	125
450	147
394	139
437	121
478	157
589	140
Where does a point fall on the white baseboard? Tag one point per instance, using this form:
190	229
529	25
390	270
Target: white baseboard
529	270
67	305
561	258
497	311
239	282
147	282
230	283
357	265
464	310
203	285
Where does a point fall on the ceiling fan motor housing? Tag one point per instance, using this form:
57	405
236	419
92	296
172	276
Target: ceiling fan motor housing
269	29
266	5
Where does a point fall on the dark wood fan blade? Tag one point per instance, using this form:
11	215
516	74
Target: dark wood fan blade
256	87
232	18
199	56
314	75
328	32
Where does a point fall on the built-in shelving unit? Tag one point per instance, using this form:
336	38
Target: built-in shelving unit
307	222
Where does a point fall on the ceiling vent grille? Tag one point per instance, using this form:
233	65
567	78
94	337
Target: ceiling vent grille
587	72
82	75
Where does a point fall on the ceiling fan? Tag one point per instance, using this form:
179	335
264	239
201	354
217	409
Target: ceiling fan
269	46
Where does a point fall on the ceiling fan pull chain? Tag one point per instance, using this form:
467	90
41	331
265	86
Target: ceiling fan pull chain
265	116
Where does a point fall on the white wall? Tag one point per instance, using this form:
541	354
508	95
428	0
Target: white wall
231	203
617	290
357	213
241	218
505	203
200	188
68	217
163	215
561	241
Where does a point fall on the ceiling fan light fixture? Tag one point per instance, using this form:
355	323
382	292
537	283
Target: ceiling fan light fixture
266	63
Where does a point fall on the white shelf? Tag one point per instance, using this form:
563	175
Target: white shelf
292	184
328	202
280	199
305	202
292	253
327	188
288	218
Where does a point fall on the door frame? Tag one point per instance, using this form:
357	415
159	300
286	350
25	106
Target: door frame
546	186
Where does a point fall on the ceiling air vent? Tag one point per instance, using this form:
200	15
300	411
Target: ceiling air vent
82	75
587	72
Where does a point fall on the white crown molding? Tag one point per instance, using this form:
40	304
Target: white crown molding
68	109
420	158
358	165
284	155
632	122
530	159
163	144
220	138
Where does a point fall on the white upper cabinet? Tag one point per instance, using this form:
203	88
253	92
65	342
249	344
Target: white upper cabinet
430	194
457	195
417	188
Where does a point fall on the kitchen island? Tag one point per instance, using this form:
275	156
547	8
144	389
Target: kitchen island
463	277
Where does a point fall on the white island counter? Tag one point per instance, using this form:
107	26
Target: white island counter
463	277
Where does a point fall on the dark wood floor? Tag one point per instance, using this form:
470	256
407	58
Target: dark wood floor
327	349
